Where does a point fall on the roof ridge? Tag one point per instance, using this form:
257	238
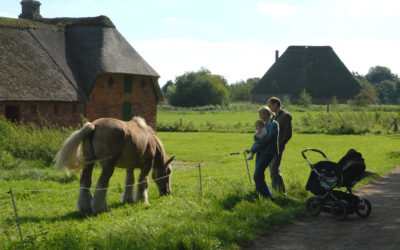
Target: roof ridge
102	21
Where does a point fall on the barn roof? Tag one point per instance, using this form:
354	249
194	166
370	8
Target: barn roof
59	59
317	69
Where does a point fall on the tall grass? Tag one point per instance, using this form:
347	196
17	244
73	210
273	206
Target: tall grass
30	142
229	214
341	119
345	122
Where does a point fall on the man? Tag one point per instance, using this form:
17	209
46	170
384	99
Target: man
284	120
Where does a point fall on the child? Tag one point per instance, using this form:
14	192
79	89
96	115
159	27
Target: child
260	133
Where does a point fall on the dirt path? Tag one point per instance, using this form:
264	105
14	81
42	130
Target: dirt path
381	230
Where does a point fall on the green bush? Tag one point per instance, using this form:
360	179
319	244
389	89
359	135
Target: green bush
305	98
340	123
7	161
30	141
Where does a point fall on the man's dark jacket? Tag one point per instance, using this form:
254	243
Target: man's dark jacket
284	119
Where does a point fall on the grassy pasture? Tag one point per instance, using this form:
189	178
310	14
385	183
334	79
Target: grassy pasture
229	215
341	119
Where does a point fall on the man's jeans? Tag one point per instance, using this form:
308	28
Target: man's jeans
275	173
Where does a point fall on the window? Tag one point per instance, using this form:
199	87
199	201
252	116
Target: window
128	84
126	112
33	109
74	109
13	113
56	109
110	81
143	84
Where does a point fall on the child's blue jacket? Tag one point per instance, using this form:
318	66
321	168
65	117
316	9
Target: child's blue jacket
269	143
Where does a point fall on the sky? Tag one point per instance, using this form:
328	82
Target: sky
238	38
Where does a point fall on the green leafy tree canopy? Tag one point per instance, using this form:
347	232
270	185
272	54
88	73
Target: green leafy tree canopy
198	88
241	91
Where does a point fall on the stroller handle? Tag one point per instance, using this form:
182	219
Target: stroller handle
315	150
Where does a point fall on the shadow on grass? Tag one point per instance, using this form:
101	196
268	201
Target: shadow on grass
75	215
232	200
394	154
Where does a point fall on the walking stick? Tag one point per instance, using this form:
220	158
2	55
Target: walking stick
247	165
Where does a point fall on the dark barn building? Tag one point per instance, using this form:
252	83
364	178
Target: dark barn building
61	68
316	69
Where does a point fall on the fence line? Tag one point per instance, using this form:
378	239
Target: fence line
117	187
113	187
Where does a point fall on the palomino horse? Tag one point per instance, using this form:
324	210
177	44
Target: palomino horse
118	143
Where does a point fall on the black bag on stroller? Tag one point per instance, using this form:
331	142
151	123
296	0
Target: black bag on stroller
346	173
327	175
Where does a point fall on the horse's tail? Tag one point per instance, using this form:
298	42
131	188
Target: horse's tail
69	156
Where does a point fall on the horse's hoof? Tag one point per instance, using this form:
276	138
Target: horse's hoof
127	201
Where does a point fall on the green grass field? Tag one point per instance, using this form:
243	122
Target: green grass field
342	119
228	216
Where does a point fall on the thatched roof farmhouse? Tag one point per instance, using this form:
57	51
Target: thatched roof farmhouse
61	68
317	69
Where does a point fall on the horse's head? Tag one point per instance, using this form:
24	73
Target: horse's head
162	176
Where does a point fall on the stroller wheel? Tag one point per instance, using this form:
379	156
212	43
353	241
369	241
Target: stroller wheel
338	210
363	208
313	206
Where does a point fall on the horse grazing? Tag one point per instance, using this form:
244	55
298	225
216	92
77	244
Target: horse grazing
115	143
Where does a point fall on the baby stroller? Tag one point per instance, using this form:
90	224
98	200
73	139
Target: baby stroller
326	176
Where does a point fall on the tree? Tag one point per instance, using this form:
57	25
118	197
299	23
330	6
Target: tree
305	98
387	91
198	89
366	95
378	74
386	84
166	85
241	91
334	101
164	89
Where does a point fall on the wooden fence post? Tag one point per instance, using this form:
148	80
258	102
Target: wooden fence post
200	184
16	214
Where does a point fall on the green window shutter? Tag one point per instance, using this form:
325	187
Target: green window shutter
143	83
128	84
126	112
110	81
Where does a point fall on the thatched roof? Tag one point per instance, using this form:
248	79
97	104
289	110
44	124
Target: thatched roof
317	69
60	59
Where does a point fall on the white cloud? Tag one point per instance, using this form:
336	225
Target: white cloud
171	19
240	60
278	9
237	60
5	14
365	8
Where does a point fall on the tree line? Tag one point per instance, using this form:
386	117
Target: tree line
200	88
379	85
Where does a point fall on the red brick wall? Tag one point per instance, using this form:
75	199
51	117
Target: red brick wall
106	100
37	111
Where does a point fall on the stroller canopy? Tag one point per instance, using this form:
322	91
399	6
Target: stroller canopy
346	173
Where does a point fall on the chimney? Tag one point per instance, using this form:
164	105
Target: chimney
276	55
30	10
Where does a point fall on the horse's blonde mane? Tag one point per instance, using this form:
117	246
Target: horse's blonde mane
142	123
